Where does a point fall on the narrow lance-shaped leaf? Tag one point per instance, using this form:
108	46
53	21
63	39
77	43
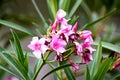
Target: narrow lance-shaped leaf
52	6
74	8
18	48
12	63
16	26
102	70
99	19
96	59
109	46
64	4
38	11
5	68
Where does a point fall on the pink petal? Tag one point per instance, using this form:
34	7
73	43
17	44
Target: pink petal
37	54
60	14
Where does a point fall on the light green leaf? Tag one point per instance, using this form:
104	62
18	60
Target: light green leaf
74	8
52	7
103	68
56	69
99	19
16	26
64	4
109	46
96	60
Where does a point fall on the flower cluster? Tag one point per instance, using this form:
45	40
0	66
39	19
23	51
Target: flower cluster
62	35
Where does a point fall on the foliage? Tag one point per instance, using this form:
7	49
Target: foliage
16	62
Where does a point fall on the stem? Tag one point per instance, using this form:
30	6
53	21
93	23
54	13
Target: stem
41	65
38	11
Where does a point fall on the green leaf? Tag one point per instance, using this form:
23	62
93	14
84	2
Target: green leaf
56	69
114	76
38	11
40	28
96	59
87	73
102	70
74	8
64	4
115	40
109	46
16	26
68	71
9	59
99	19
5	68
18	48
52	7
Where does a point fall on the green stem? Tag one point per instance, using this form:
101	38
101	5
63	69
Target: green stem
41	65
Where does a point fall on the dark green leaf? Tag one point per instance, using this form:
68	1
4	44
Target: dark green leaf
99	19
16	26
74	8
56	69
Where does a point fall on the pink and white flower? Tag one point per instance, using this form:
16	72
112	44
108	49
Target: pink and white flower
38	46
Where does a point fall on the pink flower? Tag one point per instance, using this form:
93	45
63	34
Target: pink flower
58	44
60	14
86	58
86	34
75	66
59	17
87	42
74	28
78	48
38	46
